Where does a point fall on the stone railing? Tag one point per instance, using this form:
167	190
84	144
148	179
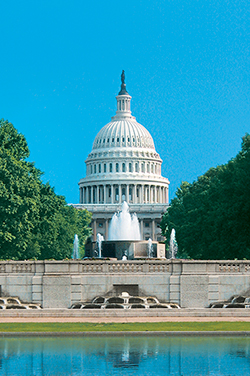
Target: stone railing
175	267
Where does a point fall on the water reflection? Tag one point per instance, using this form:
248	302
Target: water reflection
125	356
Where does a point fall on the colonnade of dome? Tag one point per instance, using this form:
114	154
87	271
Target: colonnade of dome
117	193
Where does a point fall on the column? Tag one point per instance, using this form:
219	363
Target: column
127	193
120	193
81	193
112	194
149	194
91	194
153	229
106	229
155	200
84	196
142	237
104	194
134	196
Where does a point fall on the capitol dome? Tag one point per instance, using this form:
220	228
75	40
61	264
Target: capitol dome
123	165
123	133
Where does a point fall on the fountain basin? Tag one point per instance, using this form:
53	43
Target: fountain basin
131	249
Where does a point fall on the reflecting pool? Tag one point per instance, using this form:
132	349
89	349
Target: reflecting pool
125	356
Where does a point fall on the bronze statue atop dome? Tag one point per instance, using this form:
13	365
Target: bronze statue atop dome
123	77
123	90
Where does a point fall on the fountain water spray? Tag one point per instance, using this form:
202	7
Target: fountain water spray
150	248
75	254
124	226
99	240
173	246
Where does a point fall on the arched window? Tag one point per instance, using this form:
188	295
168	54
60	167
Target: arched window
136	167
152	168
110	167
142	167
148	167
91	169
123	167
117	167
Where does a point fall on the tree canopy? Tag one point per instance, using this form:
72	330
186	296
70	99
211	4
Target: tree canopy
211	216
34	221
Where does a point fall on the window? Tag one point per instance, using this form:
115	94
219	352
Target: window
91	169
123	167
142	167
113	140
118	139
104	167
110	167
117	167
136	167
146	224
148	168
103	141
130	167
100	168
94	169
123	139
108	140
100	224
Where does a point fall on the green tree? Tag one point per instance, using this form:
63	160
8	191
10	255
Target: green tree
211	216
34	221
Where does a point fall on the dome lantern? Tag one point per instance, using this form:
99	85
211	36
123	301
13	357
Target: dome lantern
123	101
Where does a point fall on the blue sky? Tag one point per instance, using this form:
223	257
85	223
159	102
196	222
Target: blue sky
187	66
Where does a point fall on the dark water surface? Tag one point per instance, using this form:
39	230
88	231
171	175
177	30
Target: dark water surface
125	356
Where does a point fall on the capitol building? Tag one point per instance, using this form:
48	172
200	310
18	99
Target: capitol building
124	166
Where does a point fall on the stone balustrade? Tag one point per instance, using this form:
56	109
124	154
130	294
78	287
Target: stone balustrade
190	283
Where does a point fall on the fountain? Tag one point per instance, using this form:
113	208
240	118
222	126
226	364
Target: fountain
150	248
99	240
124	226
173	246
75	254
124	241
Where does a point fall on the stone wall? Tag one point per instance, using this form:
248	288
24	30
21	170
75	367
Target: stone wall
58	284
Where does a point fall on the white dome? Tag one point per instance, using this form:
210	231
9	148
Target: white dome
123	133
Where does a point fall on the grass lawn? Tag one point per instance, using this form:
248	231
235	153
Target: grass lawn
126	327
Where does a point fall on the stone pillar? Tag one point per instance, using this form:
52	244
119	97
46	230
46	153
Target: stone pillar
106	229
149	194
81	194
112	194
84	195
141	229
155	199
120	193
134	194
104	194
127	193
91	194
153	229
